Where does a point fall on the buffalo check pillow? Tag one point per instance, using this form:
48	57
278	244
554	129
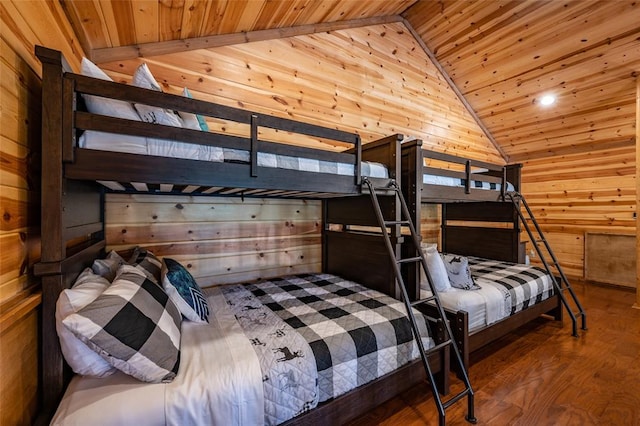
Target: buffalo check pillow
82	360
134	326
147	262
184	291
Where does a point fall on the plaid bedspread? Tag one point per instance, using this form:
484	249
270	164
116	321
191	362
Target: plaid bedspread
522	285
356	334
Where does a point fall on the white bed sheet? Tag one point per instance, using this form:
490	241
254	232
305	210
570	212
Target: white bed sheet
174	149
451	181
219	383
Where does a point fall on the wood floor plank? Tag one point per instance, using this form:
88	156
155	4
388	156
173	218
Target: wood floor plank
541	375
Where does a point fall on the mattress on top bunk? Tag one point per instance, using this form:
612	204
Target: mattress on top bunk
272	350
174	149
505	289
430	179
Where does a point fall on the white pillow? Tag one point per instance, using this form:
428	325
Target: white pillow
79	356
437	270
105	106
151	114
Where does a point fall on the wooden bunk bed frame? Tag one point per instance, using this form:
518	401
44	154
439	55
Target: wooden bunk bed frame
73	228
460	206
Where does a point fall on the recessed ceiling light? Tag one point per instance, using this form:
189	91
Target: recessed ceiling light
547	100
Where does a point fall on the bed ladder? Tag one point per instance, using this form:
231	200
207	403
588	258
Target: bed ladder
561	283
448	341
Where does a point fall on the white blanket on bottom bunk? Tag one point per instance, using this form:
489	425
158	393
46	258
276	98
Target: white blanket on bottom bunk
505	289
215	358
485	306
174	149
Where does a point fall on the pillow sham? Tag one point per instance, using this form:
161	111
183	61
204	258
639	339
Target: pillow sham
134	326
458	272
147	262
142	77
79	356
184	291
108	266
105	106
437	270
200	123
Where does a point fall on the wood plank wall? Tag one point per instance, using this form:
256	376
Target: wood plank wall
22	25
589	192
374	80
220	239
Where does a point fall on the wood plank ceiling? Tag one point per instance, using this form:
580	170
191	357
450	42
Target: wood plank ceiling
503	56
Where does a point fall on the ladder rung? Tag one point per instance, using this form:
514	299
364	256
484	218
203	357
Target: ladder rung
421	301
437	347
384	188
409	260
453	400
396	222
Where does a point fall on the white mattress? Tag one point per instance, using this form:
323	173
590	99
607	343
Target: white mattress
451	181
166	148
215	358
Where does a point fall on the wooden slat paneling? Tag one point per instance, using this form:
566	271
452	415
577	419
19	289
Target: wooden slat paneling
220	239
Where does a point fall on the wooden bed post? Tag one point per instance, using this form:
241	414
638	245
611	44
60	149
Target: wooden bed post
53	243
637	304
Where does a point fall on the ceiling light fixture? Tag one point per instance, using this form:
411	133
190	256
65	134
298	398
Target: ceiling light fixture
547	100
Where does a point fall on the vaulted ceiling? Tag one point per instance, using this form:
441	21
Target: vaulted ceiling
501	56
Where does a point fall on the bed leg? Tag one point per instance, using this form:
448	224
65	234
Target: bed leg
460	330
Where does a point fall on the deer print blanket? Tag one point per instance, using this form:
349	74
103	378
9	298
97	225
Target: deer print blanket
319	336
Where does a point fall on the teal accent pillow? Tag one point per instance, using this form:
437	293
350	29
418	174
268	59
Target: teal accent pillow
184	291
201	121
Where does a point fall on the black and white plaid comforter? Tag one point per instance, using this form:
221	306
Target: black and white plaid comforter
522	285
355	334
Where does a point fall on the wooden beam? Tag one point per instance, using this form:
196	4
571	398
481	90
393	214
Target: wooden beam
637	304
173	46
455	89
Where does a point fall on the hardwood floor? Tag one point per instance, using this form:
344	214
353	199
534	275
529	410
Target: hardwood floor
541	375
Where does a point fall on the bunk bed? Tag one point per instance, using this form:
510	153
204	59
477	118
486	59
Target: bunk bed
76	178
478	221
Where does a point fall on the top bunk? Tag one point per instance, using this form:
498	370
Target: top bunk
247	153
435	177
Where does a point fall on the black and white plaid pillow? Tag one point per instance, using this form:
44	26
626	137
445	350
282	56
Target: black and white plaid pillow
147	262
134	326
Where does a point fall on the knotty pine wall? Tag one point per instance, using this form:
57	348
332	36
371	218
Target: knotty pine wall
220	240
375	80
22	25
572	195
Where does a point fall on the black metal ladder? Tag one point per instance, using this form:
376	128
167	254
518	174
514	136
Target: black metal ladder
434	299
561	284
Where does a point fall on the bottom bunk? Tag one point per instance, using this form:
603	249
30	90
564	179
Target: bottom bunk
485	299
266	352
